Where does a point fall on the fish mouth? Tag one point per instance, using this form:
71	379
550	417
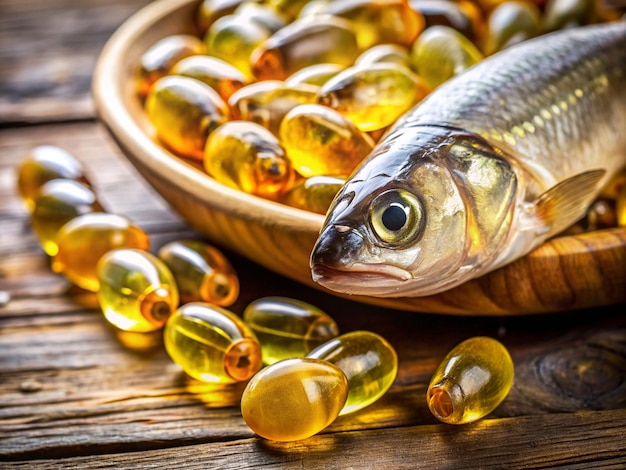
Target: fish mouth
360	278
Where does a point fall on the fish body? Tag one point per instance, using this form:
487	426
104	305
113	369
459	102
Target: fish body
487	167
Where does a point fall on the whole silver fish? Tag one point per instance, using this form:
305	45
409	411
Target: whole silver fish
487	167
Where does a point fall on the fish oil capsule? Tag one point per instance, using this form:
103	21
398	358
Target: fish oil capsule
183	112
321	141
84	239
471	381
294	398
509	23
211	343
369	362
394	53
246	156
263	14
201	271
373	97
289	9
447	13
288	327
440	53
211	10
58	202
314	194
137	290
44	163
157	61
561	14
316	74
306	41
620	206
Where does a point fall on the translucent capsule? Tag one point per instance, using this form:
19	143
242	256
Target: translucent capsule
321	141
369	362
288	327
601	214
294	398
246	156
440	53
211	343
561	14
314	194
263	14
289	9
509	23
44	163
316	74
620	206
183	112
453	14
306	41
157	61
137	290
58	202
471	381
84	239
218	74
201	271
211	10
373	97
394	53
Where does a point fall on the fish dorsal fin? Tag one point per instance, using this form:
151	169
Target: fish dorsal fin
568	201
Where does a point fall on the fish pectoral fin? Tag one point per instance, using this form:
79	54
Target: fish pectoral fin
568	201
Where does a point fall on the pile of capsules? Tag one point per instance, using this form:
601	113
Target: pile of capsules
283	98
301	373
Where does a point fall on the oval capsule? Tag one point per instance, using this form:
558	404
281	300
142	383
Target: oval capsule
314	194
294	398
288	327
369	362
137	290
471	381
211	344
463	16
394	53
316	74
509	23
211	10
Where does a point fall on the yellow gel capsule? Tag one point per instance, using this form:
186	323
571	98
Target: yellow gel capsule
211	343
369	362
510	23
263	14
137	290
157	61
183	112
561	14
211	10
246	156
218	74
201	271
373	97
44	163
620	206
394	53
452	14
289	9
84	239
58	202
294	398
288	327
321	141
471	381
314	194
316	74
306	41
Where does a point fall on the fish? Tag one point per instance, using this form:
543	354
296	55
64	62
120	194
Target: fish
491	164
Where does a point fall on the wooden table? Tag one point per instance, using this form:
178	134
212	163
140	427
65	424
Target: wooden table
74	393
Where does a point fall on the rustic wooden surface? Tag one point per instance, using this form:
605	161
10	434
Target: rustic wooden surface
74	393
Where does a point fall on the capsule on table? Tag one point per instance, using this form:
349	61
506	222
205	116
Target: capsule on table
509	23
394	53
183	112
307	41
316	74
44	163
369	362
201	271
57	202
314	194
157	61
84	239
137	290
471	381
246	156
211	344
373	97
463	16
288	327
294	398
211	10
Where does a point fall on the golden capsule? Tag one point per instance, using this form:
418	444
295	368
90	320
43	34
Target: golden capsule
211	10
394	53
601	214
620	206
373	97
561	14
306	41
218	74
157	61
316	74
294	398
289	9
447	13
321	141
509	23
211	344
314	194
471	381
246	156
288	327
137	290
44	163
263	14
57	202
183	112
201	271
369	362
84	239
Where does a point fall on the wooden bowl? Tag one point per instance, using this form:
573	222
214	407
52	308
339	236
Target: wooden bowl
566	273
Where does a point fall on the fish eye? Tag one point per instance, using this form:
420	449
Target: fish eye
397	217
